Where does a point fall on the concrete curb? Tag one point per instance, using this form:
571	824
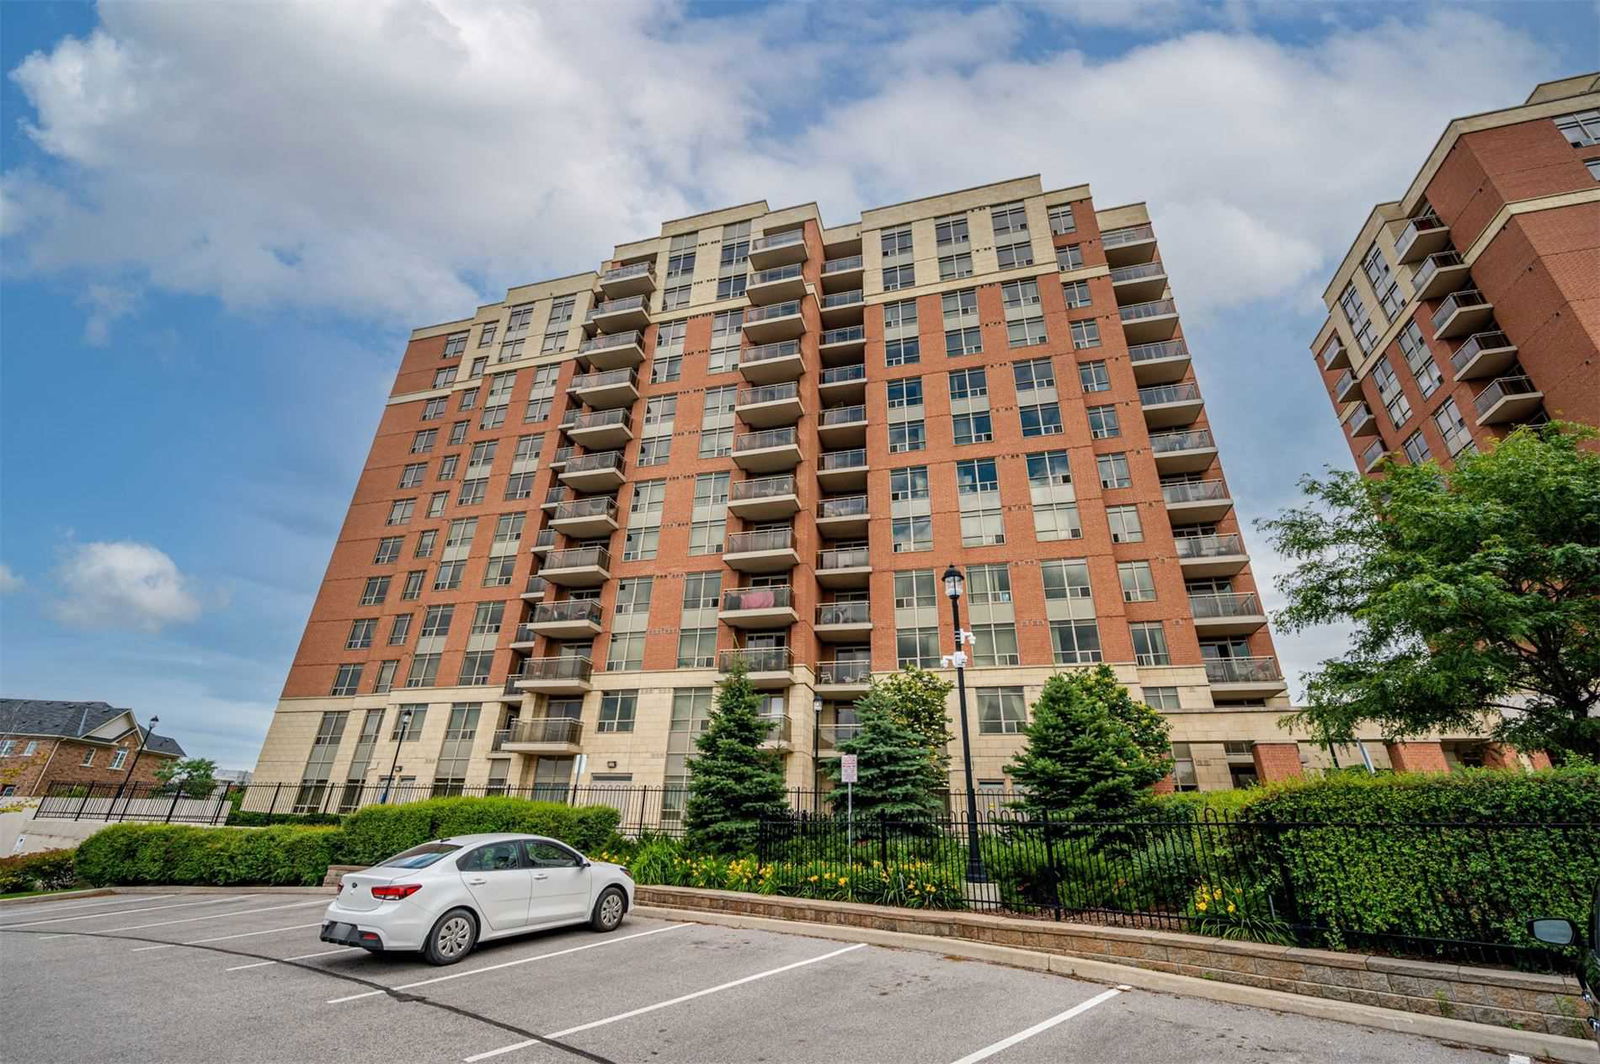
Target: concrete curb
1502	1039
57	895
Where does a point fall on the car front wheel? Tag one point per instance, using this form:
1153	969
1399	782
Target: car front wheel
608	909
453	936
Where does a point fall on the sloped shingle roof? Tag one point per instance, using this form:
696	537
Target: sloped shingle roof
71	720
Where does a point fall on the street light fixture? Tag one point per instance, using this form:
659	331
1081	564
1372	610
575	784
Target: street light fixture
953	584
144	737
816	753
403	726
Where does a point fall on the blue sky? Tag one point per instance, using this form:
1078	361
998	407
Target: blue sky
219	222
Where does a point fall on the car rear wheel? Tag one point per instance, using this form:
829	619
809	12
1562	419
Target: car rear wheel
608	909
453	936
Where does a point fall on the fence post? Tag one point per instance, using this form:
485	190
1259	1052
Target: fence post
177	793
1050	863
273	808
222	803
87	791
883	841
1280	858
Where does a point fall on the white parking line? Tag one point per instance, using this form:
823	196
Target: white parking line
130	912
214	916
224	938
608	940
1042	1026
58	907
664	1004
301	957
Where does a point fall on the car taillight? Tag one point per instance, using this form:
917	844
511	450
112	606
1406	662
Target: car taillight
395	893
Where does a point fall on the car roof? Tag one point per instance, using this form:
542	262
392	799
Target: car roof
494	836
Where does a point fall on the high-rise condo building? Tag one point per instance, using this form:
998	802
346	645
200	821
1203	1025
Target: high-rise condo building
756	437
1471	305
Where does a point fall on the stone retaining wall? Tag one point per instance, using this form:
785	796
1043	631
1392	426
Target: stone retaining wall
1520	1000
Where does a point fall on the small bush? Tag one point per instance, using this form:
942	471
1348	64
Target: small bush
380	831
131	854
50	870
243	818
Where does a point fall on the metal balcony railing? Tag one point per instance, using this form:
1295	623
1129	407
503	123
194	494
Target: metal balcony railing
537	585
842	299
622	273
1224	604
778	240
844	558
757	598
563	454
843	506
595	506
1476	344
777	728
844	415
1159	349
1422	223
579	558
763	539
610	340
586	463
598	419
856	371
1194	491
1432	265
844	672
1345	382
1243	670
524	633
546	730
756	659
844	613
1502	388
1153	309
612	306
851	459
604	378
1362	419
1169	393
756	441
767	393
775	310
1370	457
568	610
1194	439
1131	234
1221	545
848	334
766	352
556	669
1134	273
545	538
844	265
761	487
777	273
500	738
1462	300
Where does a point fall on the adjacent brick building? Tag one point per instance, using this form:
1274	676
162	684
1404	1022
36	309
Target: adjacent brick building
45	744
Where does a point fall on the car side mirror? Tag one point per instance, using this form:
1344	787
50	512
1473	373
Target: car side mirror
1553	931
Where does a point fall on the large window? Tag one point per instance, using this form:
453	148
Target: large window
1001	710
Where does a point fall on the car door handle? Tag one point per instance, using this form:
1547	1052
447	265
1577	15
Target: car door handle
541	875
478	880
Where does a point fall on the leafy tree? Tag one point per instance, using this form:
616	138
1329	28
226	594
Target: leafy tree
194	776
1473	594
1092	752
733	783
897	779
919	700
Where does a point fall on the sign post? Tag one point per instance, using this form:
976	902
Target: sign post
847	774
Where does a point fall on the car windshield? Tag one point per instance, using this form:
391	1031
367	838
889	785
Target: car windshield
420	856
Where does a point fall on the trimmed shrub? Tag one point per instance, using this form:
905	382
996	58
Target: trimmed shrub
380	831
244	818
130	854
50	870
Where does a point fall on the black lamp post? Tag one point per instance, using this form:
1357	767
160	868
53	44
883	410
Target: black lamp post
127	777
953	583
403	726
816	753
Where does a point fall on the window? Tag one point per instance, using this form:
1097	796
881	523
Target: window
640	544
493	417
413	474
538	410
436	503
1581	129
519	485
1040	419
413	586
423	441
1593	166
968	341
433	409
666	367
960	308
1452	426
996	645
1389	390
400	511
1113	471
360	637
88	758
649	497
1034	373
454	345
458	433
907	436
475	665
973	428
1094	377
898	277
442	378
408	723
617	711
347	681
705	537
1124	522
448	578
1061	220
1149	644
988	585
701	590
951	229
908	483
469	399
976	475
968	384
1416	448
1355	312
1103	423
424	671
1076	293
400	629
479	364
1420	359
473	491
1069	257
425	543
486	337
1085	334
437	621
917	646
904	351
375	591
633	597
896	243
1138	584
1001	710
1075	642
499	571
697	648
625	652
388	550
447	466
521	317
953	267
911	534
511	350
1161	697
915	589
384	682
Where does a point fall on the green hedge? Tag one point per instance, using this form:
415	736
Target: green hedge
50	870
128	854
379	831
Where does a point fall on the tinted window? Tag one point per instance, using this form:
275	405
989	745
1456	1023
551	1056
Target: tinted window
420	856
549	855
497	856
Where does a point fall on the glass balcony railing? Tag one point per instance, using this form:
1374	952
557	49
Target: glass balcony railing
1135	273
1131	234
597	506
761	488
856	371
844	265
757	441
1428	267
623	273
843	506
1194	491
604	378
568	730
545	538
1169	393
610	340
766	352
844	415
760	540
842	299
777	273
1423	223
557	669
1457	301
1153	309
600	460
568	610
775	310
1502	388
1224	604
778	240
756	659
849	334
844	558
1243	670
1195	439
1373	454
579	558
844	672
851	459
1476	344
1160	349
599	419
767	393
844	613
537	585
613	306
757	598
1221	545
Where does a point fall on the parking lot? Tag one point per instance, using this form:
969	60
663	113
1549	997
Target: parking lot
243	977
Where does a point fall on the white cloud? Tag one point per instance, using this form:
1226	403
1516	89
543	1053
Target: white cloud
403	159
107	303
123	585
9	581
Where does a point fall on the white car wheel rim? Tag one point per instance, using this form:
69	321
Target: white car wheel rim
610	910
453	936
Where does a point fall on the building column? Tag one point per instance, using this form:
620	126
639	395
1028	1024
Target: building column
1164	785
1500	755
1417	757
1276	761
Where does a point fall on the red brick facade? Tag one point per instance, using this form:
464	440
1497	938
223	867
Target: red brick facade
56	762
1276	761
1417	757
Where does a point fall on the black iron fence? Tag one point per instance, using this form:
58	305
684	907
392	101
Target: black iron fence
137	801
1461	891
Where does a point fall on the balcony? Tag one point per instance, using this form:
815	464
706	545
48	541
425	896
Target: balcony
601	471
771	363
1438	274
1214	555
843	470
1135	284
562	456
1362	421
607	389
765	667
1183	452
1421	237
845	679
544	542
763	498
1167	405
771	451
1375	453
777	321
844	567
843	384
601	429
842	274
1159	363
536	588
555	676
1483	354
779	730
778	249
568	619
1461	313
1245	677
843	426
586	518
511	692
758	607
1334	356
618	315
553	498
1347	389
635	279
769	550
622	350
843	517
523	638
842	308
1196	501
577	567
844	622
1149	322
767	405
1507	399
1226	613
544	735
1129	245
776	285
835	345
831	734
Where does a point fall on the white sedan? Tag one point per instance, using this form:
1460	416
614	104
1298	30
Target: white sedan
445	897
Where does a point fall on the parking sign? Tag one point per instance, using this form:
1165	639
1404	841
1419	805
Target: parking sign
847	768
